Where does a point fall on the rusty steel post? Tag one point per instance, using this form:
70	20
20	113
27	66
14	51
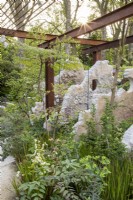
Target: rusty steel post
49	74
96	56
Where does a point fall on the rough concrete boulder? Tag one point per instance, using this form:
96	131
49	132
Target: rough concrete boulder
128	138
98	80
123	100
129	74
124	109
81	127
70	76
64	79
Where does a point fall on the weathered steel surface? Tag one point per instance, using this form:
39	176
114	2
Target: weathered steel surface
88	41
49	80
25	34
47	37
108	45
112	17
96	56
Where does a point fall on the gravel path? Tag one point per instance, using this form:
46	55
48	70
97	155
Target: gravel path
7	173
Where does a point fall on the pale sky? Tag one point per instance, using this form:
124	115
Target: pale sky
82	14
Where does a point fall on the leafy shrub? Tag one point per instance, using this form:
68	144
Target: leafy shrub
125	124
12	121
16	133
63	175
8	70
18	146
105	142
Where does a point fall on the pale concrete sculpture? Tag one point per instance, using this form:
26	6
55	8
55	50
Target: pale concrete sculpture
128	73
128	138
98	81
123	111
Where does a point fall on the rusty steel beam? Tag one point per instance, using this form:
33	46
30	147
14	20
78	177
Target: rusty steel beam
84	41
88	41
107	45
47	37
110	18
49	80
25	34
81	41
96	56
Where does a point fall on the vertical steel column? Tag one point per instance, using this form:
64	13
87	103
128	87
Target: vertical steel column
96	56
49	74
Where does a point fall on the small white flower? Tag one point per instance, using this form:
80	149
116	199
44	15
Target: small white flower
18	174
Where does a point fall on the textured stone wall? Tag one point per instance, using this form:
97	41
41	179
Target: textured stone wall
62	83
80	97
123	111
128	138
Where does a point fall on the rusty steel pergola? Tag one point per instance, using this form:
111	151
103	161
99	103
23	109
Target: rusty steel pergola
96	45
21	10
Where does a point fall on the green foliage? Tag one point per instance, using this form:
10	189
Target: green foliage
18	146
125	124
25	89
12	122
106	141
57	126
18	131
8	70
55	173
120	180
32	190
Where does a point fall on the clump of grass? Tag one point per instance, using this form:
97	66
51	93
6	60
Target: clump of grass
120	180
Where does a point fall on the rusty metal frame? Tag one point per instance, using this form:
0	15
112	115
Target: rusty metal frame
25	34
47	37
6	11
108	45
19	23
49	80
110	18
18	13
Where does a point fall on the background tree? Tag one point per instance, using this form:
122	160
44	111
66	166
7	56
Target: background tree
8	70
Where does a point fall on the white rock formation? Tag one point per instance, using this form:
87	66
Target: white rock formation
124	101
66	78
128	138
129	74
81	127
70	76
97	81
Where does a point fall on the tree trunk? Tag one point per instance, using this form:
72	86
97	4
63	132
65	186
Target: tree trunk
67	12
130	50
